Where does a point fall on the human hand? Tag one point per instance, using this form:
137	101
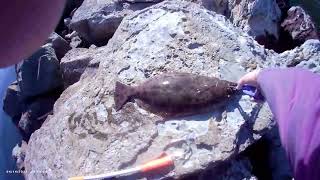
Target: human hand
250	78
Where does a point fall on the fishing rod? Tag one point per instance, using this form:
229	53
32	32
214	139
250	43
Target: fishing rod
162	162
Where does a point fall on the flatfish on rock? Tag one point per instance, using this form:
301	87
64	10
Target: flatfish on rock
176	94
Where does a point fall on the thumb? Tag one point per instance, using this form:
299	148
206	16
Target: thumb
240	84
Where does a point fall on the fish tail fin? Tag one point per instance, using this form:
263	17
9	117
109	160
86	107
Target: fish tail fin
122	95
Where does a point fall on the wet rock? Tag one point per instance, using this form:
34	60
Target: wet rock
74	64
167	37
40	73
35	114
19	153
300	25
60	46
96	21
12	104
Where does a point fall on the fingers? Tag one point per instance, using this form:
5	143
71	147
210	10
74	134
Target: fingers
240	84
250	78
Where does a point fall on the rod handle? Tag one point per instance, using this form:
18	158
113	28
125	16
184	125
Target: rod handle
76	178
162	162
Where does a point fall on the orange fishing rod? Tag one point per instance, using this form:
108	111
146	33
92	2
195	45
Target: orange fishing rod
162	162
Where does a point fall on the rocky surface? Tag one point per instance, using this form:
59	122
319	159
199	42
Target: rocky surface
70	7
306	56
19	153
300	25
60	45
39	83
90	137
12	102
34	115
260	18
76	62
312	7
39	73
96	21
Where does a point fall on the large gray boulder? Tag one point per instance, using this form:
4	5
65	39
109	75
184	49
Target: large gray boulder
86	136
260	18
96	21
40	73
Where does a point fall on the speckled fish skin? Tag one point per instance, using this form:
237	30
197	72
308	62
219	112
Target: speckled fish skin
176	93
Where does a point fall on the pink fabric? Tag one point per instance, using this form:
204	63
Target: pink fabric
294	98
25	25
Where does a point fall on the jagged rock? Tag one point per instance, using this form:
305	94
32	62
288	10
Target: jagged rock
12	104
312	7
19	153
306	56
60	46
33	95
300	25
283	4
35	114
96	21
70	7
260	18
74	64
76	41
169	36
40	73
